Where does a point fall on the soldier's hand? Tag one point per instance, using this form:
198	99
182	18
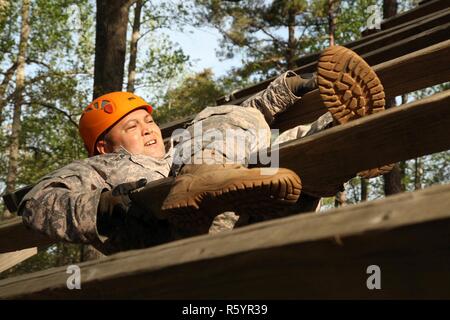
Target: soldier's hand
114	205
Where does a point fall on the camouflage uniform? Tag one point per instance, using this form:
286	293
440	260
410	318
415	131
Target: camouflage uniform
63	204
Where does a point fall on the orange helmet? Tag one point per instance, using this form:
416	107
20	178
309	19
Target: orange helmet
104	112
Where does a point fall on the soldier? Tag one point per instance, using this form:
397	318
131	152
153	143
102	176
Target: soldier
88	200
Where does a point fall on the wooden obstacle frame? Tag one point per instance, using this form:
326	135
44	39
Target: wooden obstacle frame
312	255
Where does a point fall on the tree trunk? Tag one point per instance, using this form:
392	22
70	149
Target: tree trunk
332	21
393	179
110	49
340	200
133	46
389	8
418	173
18	99
3	86
402	166
364	189
292	42
110	45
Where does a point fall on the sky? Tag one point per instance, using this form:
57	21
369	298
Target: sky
200	45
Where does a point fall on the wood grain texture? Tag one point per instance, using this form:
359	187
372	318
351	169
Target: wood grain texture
422	68
300	257
10	259
423	60
411	15
337	154
366	45
15	236
327	158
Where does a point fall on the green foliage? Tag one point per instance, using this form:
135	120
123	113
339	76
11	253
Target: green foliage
160	61
8	14
57	255
60	69
57	87
59	77
195	93
258	30
271	34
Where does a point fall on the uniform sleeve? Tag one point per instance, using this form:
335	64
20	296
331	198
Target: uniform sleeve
276	98
63	205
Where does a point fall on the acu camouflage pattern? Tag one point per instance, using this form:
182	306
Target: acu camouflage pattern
63	204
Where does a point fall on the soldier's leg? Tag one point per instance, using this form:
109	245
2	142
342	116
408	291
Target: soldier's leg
350	90
214	190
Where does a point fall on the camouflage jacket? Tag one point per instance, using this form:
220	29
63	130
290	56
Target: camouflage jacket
63	204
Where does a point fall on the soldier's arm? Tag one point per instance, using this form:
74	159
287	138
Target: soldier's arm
63	205
276	98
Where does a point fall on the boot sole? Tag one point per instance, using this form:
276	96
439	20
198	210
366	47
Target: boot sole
350	90
253	197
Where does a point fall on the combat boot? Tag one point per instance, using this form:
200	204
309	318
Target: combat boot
203	191
350	89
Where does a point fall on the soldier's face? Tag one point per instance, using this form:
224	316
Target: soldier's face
137	133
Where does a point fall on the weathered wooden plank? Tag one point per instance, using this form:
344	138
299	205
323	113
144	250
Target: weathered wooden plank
15	236
335	155
411	15
384	37
327	158
302	256
423	68
438	22
10	259
386	51
412	130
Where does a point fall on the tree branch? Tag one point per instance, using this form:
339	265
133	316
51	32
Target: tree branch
4	85
39	62
53	107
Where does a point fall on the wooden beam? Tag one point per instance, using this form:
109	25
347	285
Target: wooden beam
327	158
337	154
423	68
387	47
366	44
311	256
10	259
15	236
332	157
411	15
